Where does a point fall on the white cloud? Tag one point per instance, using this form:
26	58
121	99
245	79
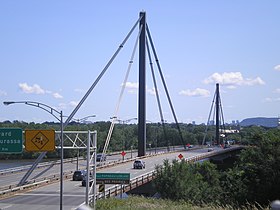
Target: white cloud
271	99
277	68
232	79
195	92
133	88
57	95
36	89
131	85
78	90
3	93
73	103
151	91
277	90
67	105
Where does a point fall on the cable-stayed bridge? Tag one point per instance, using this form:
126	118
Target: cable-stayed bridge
26	195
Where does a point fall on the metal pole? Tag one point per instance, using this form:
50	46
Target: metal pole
61	160
77	167
94	167
88	169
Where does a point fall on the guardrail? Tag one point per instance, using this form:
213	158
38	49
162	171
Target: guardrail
40	165
134	183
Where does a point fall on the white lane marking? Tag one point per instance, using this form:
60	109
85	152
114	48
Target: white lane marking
5	207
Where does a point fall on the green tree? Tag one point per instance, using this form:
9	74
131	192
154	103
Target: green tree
197	183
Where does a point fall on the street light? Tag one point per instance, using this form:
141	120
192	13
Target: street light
52	111
84	118
81	120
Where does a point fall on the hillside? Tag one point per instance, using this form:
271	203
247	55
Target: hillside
260	121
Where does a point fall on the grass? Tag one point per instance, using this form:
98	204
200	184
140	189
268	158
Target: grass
142	203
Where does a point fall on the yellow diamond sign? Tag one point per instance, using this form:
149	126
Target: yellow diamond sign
39	140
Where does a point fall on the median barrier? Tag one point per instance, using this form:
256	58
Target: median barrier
23	187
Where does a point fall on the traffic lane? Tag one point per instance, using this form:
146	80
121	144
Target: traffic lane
47	198
150	163
14	178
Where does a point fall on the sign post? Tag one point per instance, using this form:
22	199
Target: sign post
123	153
10	140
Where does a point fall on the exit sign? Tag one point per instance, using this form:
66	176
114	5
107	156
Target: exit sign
112	178
10	140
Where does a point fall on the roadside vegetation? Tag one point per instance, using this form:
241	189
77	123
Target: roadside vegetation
254	179
141	203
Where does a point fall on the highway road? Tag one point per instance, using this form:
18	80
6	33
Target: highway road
47	197
8	179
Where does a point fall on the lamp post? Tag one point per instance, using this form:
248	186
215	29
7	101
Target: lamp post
53	112
78	151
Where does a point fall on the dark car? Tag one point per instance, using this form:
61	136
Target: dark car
84	182
100	157
139	164
79	175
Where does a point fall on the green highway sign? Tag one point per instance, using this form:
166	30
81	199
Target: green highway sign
10	140
112	178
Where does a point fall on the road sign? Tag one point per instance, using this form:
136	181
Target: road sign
112	178
39	140
10	140
180	156
123	153
101	188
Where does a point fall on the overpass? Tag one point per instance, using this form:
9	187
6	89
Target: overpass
46	194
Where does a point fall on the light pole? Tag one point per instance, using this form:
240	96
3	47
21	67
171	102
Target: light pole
123	122
52	111
78	151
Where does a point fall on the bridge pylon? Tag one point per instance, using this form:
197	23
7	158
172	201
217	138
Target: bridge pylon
142	88
218	115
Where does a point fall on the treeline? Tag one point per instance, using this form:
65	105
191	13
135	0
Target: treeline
254	179
125	136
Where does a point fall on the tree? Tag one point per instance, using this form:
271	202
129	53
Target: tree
197	183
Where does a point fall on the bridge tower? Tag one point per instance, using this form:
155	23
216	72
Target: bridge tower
217	138
218	115
142	88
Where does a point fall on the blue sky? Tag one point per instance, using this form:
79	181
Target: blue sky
52	51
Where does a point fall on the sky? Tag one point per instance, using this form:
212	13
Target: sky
51	52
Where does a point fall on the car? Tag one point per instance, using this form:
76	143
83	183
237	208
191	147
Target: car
100	157
139	164
210	149
84	182
79	175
